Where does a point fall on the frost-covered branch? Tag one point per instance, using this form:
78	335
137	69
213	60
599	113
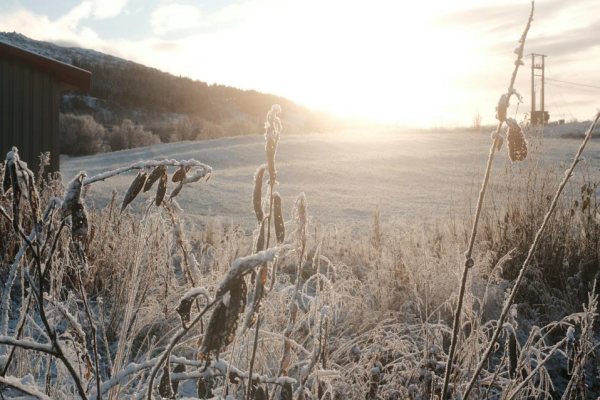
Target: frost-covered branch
28	345
149	164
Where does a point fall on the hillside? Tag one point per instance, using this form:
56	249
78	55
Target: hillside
123	89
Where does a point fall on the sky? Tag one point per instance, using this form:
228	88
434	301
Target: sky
415	63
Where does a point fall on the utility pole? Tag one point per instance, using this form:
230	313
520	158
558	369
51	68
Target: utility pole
538	117
542	104
532	88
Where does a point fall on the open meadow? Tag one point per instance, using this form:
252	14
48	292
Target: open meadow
412	177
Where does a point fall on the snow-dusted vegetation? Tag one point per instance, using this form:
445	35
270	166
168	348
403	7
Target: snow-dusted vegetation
294	282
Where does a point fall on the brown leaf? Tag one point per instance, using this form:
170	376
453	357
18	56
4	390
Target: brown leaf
176	191
154	176
223	322
180	174
162	189
164	387
134	189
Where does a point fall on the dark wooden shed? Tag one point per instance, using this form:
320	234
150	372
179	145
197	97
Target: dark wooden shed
30	87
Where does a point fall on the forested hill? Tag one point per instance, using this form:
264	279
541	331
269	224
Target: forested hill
123	89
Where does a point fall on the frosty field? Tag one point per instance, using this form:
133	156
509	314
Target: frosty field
414	177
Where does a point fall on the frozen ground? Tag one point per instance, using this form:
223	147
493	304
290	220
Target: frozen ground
413	177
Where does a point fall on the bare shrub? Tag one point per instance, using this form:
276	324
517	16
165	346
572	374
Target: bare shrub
80	135
129	136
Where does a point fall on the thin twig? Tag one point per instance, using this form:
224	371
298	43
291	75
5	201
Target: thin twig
468	260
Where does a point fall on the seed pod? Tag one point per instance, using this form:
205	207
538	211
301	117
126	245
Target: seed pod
260	394
223	322
180	174
286	392
164	387
517	145
502	108
79	223
512	352
271	149
257	194
154	176
500	143
279	226
257	295
176	191
134	189
259	245
73	195
162	189
179	368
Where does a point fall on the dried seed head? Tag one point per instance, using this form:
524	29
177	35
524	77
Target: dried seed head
79	223
154	176
223	322
278	218
257	194
271	150
162	189
259	245
502	108
517	145
272	133
134	189
73	195
300	212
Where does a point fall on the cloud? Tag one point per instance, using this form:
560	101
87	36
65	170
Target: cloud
108	8
172	17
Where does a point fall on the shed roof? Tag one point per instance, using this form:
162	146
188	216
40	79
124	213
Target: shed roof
70	77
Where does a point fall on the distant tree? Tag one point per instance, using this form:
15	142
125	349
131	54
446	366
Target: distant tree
477	122
80	135
128	136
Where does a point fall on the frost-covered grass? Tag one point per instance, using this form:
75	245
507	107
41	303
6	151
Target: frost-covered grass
412	176
375	291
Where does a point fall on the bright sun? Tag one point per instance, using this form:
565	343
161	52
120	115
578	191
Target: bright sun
385	60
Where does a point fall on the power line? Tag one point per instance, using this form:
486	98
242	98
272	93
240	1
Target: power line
562	96
570	87
573	83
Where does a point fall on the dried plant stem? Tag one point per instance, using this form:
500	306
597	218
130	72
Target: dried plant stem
249	392
178	336
92	328
468	260
509	302
535	371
